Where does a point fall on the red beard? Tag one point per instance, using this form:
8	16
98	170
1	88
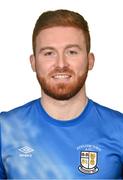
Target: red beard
61	90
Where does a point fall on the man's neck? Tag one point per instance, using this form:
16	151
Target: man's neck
64	110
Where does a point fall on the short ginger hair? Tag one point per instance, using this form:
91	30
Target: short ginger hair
61	17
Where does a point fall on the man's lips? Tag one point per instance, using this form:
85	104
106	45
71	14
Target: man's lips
61	76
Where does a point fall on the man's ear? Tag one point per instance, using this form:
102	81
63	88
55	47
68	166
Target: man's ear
91	60
32	62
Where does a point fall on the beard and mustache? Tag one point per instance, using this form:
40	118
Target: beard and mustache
62	90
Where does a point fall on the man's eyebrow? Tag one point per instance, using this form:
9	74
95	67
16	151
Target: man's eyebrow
46	48
73	46
52	48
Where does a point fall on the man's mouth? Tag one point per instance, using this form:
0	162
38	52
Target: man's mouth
61	76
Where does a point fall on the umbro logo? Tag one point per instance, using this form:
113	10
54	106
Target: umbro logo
25	151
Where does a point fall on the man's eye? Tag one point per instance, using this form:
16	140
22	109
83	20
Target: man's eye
72	52
48	53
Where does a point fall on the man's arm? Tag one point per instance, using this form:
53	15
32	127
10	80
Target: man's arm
2	169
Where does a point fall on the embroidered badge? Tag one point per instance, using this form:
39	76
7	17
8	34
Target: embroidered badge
88	162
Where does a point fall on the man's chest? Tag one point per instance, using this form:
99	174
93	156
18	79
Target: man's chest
61	155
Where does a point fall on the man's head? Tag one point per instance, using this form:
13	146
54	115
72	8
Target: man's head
62	58
63	18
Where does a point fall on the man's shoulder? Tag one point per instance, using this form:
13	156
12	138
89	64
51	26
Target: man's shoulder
19	111
109	121
108	112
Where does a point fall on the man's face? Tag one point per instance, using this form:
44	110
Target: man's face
61	61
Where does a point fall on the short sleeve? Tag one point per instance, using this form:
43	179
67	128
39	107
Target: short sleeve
2	169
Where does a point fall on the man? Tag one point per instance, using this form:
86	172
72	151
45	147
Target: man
64	134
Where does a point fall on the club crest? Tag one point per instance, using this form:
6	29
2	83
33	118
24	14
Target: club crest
88	161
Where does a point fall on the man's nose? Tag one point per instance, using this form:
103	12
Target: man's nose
62	60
